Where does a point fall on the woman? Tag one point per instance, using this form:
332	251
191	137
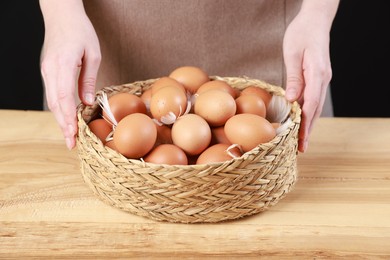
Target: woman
99	43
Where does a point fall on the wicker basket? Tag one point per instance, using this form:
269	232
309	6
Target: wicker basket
192	193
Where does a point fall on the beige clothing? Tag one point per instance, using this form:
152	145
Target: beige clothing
143	39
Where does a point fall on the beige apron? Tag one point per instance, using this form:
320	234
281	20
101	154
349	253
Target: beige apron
143	39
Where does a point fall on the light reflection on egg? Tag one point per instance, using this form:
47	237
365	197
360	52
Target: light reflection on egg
219	85
251	104
101	128
191	77
257	91
191	133
123	104
166	82
218	153
168	100
167	154
135	135
249	130
215	106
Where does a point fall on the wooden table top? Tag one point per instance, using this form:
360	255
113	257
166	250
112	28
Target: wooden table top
339	207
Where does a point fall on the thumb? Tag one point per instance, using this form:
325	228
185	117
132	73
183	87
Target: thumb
295	81
87	78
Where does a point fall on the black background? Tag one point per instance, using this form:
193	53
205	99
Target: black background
22	34
360	54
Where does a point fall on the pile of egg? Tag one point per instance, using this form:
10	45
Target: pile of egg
185	118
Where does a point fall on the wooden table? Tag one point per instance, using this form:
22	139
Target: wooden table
339	208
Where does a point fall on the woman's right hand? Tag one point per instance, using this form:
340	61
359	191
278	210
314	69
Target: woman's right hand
70	57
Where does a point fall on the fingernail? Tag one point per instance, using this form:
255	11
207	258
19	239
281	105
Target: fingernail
89	98
291	94
305	144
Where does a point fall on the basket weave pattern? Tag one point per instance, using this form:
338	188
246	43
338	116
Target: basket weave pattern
192	193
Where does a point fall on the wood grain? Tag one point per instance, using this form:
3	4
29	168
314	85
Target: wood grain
339	208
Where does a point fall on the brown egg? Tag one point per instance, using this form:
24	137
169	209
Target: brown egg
251	104
191	77
218	136
123	104
135	135
249	130
101	128
258	91
167	154
165	82
191	133
217	84
168	100
215	106
218	153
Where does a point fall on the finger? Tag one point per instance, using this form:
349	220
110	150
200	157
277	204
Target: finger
314	98
295	85
295	82
50	75
87	78
60	84
66	98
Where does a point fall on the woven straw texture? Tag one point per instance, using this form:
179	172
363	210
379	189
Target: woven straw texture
216	192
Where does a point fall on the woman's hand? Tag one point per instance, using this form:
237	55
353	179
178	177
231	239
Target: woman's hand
307	60
70	57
